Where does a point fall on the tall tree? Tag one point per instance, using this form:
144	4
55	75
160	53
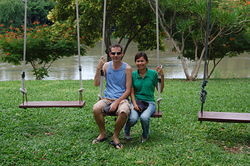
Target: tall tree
12	12
184	23
39	10
127	20
45	44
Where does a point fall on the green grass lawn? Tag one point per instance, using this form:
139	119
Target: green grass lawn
62	136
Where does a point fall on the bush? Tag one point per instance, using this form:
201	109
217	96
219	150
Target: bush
45	44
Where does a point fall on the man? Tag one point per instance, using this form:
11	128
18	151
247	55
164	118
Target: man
118	86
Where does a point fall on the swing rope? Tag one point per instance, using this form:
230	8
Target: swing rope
103	51
158	54
23	89
229	117
39	104
79	51
203	92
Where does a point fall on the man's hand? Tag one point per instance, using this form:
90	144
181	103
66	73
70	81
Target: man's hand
114	106
101	62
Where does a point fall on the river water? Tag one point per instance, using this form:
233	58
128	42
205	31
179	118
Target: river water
67	68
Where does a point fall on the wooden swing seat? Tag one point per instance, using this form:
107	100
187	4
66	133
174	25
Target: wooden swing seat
157	114
230	117
43	104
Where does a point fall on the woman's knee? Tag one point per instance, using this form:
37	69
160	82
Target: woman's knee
133	119
144	118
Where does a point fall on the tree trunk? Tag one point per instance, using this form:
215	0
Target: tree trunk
184	66
214	66
179	50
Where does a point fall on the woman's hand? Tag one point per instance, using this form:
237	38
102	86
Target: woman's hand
159	70
137	108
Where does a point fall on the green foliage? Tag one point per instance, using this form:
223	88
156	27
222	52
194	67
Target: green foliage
63	136
12	12
39	9
186	23
90	18
41	73
133	21
230	46
44	46
228	20
128	20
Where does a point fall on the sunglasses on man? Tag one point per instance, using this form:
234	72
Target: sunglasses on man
116	53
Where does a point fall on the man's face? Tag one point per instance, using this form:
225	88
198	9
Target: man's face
116	54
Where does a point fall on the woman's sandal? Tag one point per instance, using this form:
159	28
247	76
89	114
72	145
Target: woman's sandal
117	146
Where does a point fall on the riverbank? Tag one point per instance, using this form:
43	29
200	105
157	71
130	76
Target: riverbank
67	68
62	136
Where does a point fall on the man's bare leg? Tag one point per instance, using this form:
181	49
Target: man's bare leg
120	122
100	121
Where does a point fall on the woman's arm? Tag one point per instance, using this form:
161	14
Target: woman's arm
134	100
160	72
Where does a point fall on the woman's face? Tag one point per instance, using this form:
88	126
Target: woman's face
141	63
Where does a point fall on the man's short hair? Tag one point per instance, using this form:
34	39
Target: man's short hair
115	45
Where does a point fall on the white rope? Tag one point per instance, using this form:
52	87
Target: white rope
103	26
78	46
103	45
158	49
157	32
22	89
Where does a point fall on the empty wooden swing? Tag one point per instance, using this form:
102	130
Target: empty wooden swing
231	117
41	104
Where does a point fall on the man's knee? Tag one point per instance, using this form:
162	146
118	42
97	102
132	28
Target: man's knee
97	108
123	114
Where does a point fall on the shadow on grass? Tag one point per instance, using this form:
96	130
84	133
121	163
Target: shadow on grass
234	140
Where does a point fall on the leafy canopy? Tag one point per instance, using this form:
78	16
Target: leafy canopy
45	44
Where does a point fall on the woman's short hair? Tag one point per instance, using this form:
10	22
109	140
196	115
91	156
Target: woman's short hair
141	54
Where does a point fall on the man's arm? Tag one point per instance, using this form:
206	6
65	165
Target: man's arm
101	66
160	72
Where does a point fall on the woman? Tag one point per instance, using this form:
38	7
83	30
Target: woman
144	82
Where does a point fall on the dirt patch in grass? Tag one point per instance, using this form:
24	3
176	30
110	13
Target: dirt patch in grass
237	149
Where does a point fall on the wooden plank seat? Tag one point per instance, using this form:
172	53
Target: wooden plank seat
41	104
155	115
224	117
